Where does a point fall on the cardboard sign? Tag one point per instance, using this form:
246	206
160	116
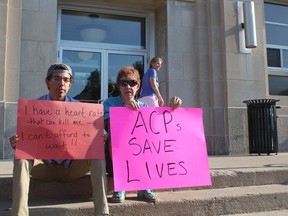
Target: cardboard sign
155	147
59	130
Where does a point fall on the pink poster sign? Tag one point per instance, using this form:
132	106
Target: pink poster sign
59	130
155	147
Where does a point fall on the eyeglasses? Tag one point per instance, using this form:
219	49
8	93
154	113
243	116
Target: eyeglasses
131	83
65	79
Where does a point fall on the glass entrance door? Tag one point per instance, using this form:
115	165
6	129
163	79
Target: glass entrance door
116	62
95	73
87	73
97	44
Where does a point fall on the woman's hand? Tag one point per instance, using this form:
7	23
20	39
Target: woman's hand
132	104
160	101
13	140
175	102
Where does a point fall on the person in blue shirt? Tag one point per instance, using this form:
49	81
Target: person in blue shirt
59	79
150	93
128	83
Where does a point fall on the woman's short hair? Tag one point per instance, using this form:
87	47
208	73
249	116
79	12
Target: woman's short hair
129	71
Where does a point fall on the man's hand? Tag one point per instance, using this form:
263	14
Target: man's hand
13	140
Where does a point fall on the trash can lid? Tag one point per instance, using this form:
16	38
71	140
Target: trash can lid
261	101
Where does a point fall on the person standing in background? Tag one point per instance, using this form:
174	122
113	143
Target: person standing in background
150	93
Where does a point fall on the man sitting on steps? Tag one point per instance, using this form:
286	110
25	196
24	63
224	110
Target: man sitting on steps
59	79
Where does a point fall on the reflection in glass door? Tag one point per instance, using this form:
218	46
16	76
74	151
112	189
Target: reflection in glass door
86	67
116	62
94	82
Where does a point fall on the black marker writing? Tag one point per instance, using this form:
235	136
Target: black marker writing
80	113
151	146
167	114
39	111
139	124
128	172
150	122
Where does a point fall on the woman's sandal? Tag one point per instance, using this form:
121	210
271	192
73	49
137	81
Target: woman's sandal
147	195
118	197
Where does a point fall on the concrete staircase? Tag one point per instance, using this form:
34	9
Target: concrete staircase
242	185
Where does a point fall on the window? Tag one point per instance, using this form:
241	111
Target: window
276	21
104	28
273	56
97	46
278	85
117	60
86	67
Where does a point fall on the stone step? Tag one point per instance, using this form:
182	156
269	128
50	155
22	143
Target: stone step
268	213
240	185
221	201
220	179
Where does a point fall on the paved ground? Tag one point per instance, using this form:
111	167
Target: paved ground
249	161
270	213
239	162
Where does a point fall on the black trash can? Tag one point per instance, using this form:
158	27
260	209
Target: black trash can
262	126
